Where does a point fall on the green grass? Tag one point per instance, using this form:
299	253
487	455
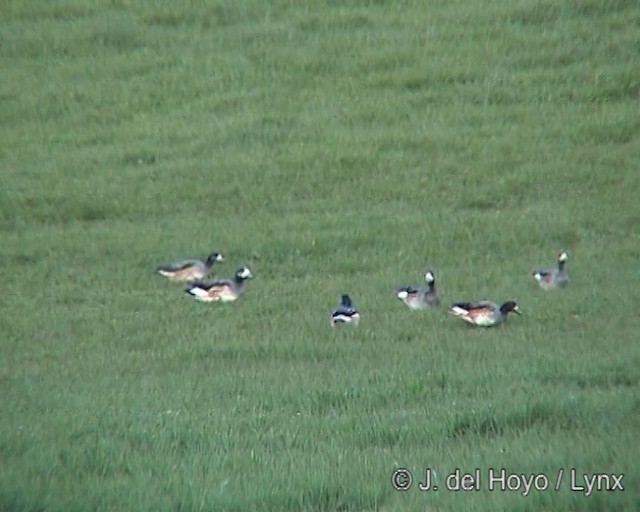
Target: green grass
337	146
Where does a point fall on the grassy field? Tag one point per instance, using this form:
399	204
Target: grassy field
332	147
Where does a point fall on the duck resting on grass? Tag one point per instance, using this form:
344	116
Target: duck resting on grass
551	278
225	290
483	313
420	298
345	313
189	270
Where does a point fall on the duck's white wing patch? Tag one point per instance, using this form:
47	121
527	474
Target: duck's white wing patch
458	311
226	295
198	292
544	276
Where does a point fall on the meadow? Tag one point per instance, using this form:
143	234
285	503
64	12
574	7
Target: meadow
332	147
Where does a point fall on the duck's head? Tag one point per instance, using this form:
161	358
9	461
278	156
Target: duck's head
214	257
563	257
429	277
244	273
345	300
509	307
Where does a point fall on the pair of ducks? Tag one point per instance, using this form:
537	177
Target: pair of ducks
195	272
415	298
481	313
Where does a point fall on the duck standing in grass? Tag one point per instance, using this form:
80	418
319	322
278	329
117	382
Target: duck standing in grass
225	290
420	298
483	313
189	270
551	278
345	313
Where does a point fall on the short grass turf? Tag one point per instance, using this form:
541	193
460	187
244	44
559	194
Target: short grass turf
332	147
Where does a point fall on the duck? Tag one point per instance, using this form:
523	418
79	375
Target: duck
224	290
189	270
552	278
420	298
346	313
484	313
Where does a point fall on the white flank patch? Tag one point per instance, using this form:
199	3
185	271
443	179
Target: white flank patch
483	321
342	318
165	273
470	320
403	294
537	276
415	304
